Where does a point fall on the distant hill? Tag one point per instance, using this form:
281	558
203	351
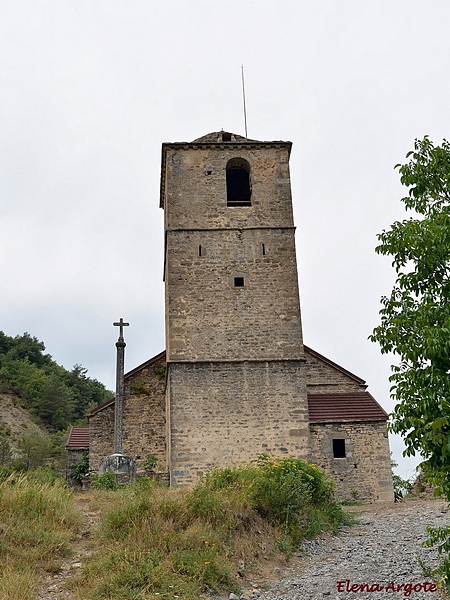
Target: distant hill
32	380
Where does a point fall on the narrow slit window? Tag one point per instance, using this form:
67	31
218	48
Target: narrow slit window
339	448
263	249
238	282
238	182
199	250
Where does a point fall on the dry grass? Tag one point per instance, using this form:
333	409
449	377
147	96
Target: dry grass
158	543
38	520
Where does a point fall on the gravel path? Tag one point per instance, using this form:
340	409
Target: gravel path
384	550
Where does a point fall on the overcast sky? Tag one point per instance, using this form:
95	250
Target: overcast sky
89	91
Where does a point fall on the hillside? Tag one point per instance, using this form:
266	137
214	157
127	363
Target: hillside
15	419
33	380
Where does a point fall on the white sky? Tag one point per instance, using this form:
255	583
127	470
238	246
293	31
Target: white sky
90	89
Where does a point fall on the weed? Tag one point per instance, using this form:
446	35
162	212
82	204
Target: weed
150	462
285	546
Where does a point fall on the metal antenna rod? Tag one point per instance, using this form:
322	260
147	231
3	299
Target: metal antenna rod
243	96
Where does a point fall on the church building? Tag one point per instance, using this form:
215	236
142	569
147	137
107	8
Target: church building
235	379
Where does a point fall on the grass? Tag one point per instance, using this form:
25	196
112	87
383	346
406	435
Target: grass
38	521
156	543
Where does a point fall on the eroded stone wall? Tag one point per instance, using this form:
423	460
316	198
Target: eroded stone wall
101	436
364	474
73	458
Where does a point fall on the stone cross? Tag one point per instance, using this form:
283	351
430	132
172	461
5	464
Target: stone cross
118	416
121	324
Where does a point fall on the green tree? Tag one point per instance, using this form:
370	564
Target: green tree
23	377
35	451
5	449
55	406
57	396
415	318
26	346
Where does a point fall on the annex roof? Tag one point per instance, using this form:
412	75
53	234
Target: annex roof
352	406
78	438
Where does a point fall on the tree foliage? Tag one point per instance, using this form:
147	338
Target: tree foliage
415	318
55	395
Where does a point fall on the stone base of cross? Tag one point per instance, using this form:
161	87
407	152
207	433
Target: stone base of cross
123	467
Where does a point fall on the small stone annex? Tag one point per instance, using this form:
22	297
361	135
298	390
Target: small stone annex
236	380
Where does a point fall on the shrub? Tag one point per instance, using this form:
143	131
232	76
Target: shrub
296	495
82	467
106	481
150	462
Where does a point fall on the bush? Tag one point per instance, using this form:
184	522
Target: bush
82	467
289	492
107	481
150	462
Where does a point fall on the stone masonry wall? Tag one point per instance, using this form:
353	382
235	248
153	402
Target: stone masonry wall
195	193
101	436
209	244
208	318
144	419
229	413
365	473
236	380
323	378
73	458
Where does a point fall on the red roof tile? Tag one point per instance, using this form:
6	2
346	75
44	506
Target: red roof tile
356	406
78	438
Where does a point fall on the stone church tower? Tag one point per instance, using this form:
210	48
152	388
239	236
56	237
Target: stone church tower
236	379
236	383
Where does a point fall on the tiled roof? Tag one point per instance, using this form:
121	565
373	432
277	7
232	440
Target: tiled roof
356	406
78	438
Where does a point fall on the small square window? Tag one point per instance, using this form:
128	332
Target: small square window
339	448
238	282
